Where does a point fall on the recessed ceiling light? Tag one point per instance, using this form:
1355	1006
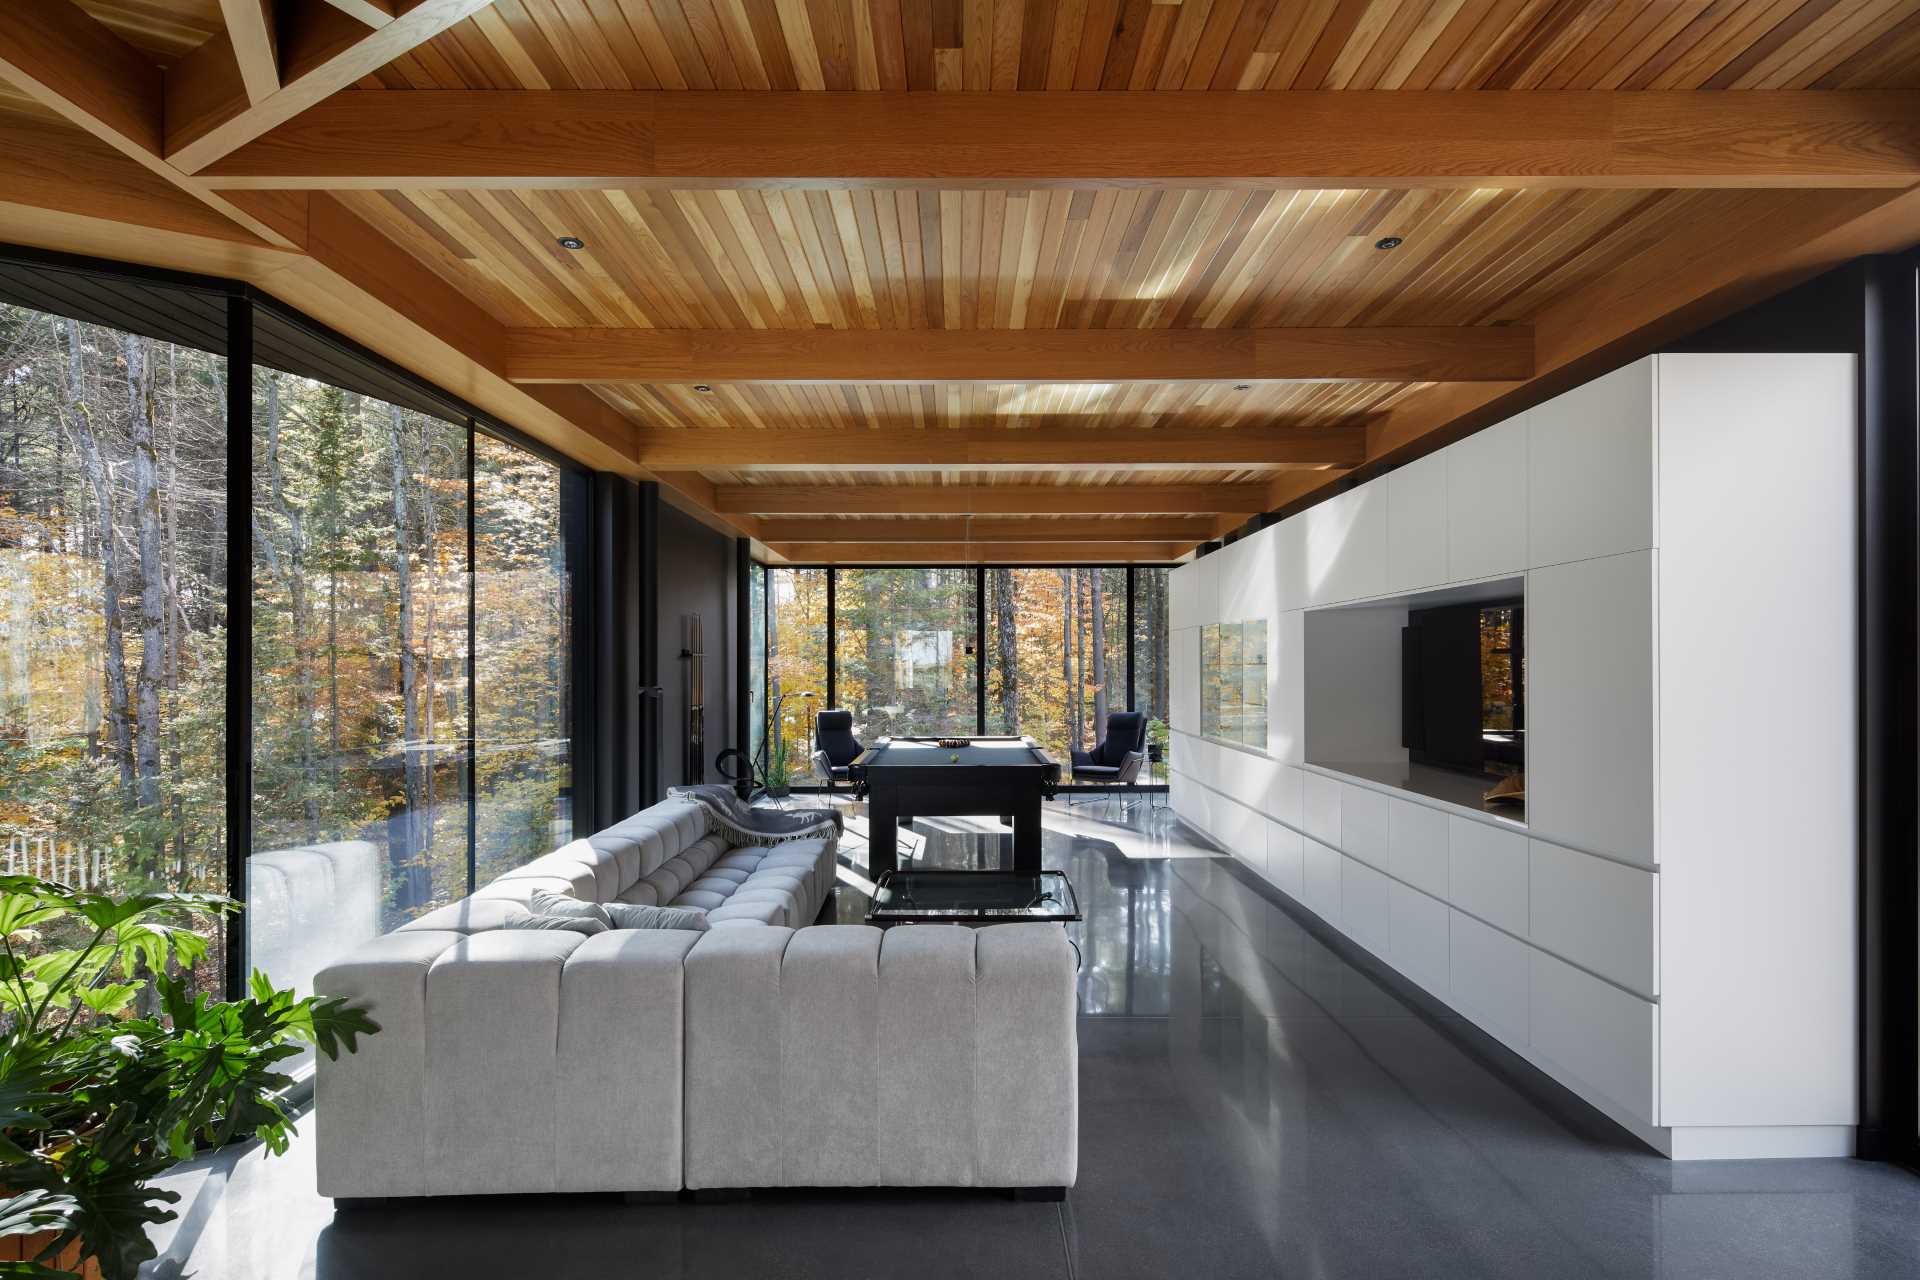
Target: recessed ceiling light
1391	242
703	388
572	242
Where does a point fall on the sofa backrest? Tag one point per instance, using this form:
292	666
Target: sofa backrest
607	866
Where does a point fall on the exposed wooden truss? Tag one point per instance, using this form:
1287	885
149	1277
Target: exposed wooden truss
598	140
913	282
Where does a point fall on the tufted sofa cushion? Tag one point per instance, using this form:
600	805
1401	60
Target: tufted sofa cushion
665	856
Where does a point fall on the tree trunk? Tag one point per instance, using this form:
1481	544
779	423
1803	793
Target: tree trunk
153	587
1069	613
292	572
1008	640
1098	618
77	417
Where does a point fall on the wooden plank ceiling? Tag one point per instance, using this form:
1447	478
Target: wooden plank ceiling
949	447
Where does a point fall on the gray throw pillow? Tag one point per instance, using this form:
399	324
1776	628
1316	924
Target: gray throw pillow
545	902
637	915
571	924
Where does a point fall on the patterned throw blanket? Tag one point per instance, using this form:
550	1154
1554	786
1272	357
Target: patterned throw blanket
753	825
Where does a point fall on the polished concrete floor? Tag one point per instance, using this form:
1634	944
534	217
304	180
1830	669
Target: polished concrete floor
1253	1103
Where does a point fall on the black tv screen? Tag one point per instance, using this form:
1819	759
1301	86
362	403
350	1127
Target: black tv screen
1462	683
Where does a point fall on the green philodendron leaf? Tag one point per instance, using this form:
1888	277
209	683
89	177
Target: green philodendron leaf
110	999
104	912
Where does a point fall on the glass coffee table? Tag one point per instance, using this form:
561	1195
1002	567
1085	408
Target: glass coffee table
972	897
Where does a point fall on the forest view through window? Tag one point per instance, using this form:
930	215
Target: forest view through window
113	569
908	656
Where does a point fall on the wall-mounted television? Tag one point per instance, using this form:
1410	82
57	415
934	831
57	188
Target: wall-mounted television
1463	687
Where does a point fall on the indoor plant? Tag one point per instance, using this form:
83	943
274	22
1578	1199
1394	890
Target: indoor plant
779	776
111	1070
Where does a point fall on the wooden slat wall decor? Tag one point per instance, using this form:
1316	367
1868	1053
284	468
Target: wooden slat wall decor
1198	44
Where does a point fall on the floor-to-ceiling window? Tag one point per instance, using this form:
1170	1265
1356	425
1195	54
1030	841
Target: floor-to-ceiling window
796	668
523	608
1150	668
756	661
904	647
395	577
1056	654
113	592
360	652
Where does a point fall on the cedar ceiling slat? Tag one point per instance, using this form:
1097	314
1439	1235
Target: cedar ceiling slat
1086	44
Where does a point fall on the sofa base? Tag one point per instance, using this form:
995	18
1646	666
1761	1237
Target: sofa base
1051	1194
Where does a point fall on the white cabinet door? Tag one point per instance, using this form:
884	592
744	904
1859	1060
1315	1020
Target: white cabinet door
1417	524
1599	914
1487	975
1364	824
1590	468
1287	798
1290	563
1417	925
1418	846
1246	577
1320	881
1323	809
1286	686
1347	545
1183	683
1182	606
1364	911
1487	502
1488	874
1286	859
1590	705
1594	1032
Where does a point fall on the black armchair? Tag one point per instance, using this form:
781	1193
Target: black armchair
834	746
1121	753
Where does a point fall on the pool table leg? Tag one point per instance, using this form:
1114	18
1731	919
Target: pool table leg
883	838
1026	833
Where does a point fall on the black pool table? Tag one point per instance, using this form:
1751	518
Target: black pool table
906	778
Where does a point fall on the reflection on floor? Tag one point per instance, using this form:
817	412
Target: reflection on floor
1252	1104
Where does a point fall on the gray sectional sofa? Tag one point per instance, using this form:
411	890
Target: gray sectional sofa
763	1052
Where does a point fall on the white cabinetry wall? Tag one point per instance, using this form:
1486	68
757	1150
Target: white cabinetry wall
1671	932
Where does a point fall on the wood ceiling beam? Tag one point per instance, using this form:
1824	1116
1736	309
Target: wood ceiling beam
1319	139
1707	271
978	553
977	448
1019	356
253	37
990	499
324	50
69	62
375	13
1005	529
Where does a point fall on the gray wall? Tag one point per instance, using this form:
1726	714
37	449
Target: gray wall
696	575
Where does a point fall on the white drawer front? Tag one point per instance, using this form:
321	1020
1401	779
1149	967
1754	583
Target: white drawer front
1418	846
1595	1032
1364	911
1488	873
1323	808
1363	824
1320	884
1286	858
1417	925
1488	974
1599	914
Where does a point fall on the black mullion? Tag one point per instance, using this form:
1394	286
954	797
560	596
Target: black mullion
473	702
833	621
742	649
239	690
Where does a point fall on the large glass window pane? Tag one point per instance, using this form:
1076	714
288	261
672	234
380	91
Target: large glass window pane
1056	654
904	650
113	587
360	650
757	660
1150	653
796	668
1253	684
523	682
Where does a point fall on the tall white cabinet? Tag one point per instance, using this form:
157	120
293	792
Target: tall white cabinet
1670	930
